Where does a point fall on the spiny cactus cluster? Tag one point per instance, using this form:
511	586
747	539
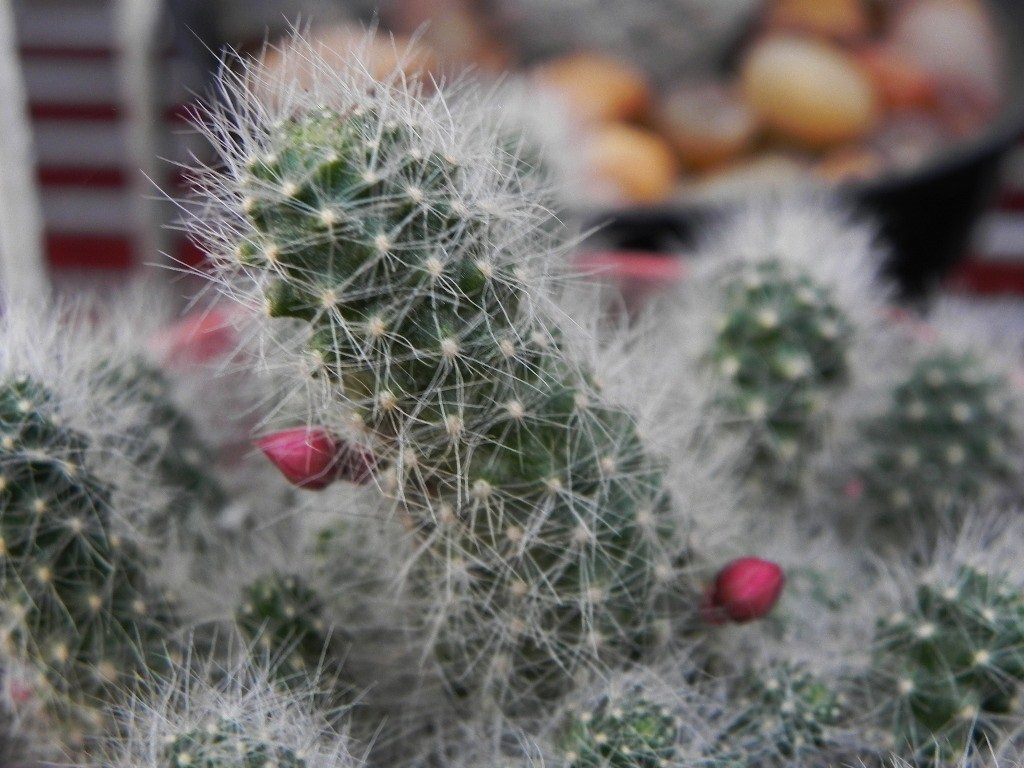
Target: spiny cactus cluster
628	734
168	440
953	663
948	436
787	713
205	715
76	602
283	616
226	743
782	350
489	545
409	260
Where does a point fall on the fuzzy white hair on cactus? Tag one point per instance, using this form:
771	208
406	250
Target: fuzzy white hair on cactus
60	348
813	230
254	102
206	714
641	717
776	318
941	427
963	605
987	539
414	136
78	470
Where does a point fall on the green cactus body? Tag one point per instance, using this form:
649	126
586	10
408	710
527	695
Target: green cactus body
633	734
546	514
168	440
952	666
948	436
74	594
781	345
787	713
283	616
227	744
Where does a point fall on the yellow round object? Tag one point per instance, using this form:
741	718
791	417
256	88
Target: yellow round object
633	165
836	19
707	123
808	91
597	87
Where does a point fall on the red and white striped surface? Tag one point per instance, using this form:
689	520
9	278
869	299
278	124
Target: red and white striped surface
995	263
81	130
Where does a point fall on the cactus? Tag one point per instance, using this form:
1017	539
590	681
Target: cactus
168	440
948	436
225	743
781	347
406	248
630	734
74	592
205	716
786	714
282	615
952	665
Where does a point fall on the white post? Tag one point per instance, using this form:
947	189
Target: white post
23	270
139	63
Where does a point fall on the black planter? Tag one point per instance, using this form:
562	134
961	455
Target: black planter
926	216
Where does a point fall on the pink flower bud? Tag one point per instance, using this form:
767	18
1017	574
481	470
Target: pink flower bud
306	456
744	590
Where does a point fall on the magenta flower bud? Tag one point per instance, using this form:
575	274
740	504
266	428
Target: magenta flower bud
306	456
744	590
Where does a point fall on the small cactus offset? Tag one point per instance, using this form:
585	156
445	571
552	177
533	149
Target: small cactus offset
168	440
948	436
205	716
629	734
951	666
781	348
412	258
76	603
222	743
786	714
281	615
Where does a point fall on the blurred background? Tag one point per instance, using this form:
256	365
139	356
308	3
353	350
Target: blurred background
675	109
